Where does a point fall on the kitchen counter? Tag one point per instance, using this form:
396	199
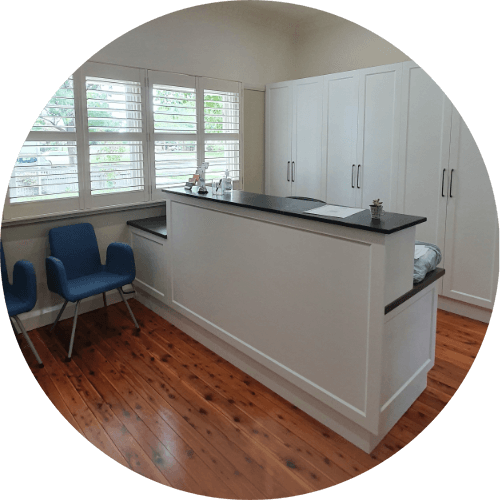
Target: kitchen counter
322	311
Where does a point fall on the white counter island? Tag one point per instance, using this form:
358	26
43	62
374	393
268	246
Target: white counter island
322	311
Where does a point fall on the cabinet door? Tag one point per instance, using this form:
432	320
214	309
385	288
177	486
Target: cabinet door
424	153
471	246
340	113
278	139
307	166
378	135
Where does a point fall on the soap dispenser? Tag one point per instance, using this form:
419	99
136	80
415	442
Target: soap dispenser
228	182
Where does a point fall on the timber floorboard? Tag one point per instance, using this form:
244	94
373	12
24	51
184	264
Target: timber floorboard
168	408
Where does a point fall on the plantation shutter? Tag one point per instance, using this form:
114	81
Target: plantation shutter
221	128
45	174
174	126
115	131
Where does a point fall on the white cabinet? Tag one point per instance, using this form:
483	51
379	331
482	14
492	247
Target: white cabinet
362	136
443	177
471	237
150	262
389	132
340	127
294	113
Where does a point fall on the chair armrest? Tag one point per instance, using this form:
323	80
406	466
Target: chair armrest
24	281
120	260
57	280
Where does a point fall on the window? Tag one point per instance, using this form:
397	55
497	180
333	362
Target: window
114	135
45	175
221	117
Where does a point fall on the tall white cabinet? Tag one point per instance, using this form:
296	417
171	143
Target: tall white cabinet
294	115
361	124
389	132
443	177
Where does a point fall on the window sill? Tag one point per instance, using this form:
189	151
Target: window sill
22	221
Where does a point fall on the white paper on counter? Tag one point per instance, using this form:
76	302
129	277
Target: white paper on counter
334	211
419	251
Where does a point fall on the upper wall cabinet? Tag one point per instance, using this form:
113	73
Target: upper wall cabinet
294	114
361	131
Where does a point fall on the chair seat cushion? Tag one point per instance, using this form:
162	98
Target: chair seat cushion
15	305
93	284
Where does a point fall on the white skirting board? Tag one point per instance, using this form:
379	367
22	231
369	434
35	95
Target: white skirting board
463	309
39	317
349	430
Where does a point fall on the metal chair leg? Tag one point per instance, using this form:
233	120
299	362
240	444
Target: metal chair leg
104	298
70	350
14	327
59	316
25	335
128	307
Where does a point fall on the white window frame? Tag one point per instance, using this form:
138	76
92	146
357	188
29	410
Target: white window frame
119	73
176	80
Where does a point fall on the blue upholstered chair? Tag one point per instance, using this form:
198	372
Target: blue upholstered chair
20	297
75	272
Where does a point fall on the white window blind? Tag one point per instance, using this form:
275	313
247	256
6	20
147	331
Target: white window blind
174	122
221	119
114	118
46	168
221	112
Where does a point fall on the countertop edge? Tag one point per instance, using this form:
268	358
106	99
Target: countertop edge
317	218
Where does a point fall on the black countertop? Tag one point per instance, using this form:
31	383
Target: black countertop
417	287
153	225
389	223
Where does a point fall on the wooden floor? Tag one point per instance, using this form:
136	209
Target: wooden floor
168	408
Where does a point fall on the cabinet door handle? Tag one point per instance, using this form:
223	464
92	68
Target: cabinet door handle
451	181
288	172
352	176
442	184
357	177
293	171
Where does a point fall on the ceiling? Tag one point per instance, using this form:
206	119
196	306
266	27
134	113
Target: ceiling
284	12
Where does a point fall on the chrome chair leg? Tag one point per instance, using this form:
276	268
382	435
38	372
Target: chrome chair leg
14	327
59	316
70	350
128	307
25	335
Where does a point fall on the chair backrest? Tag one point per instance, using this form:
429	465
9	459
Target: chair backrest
76	246
5	276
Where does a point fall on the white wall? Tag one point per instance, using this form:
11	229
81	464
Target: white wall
208	40
340	46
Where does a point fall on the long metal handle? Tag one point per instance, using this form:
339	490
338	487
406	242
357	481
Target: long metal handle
352	176
293	171
442	184
288	172
451	181
357	177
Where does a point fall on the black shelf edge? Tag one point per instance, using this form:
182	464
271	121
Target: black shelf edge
153	225
418	287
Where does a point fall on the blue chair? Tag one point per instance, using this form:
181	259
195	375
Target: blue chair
20	297
75	272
